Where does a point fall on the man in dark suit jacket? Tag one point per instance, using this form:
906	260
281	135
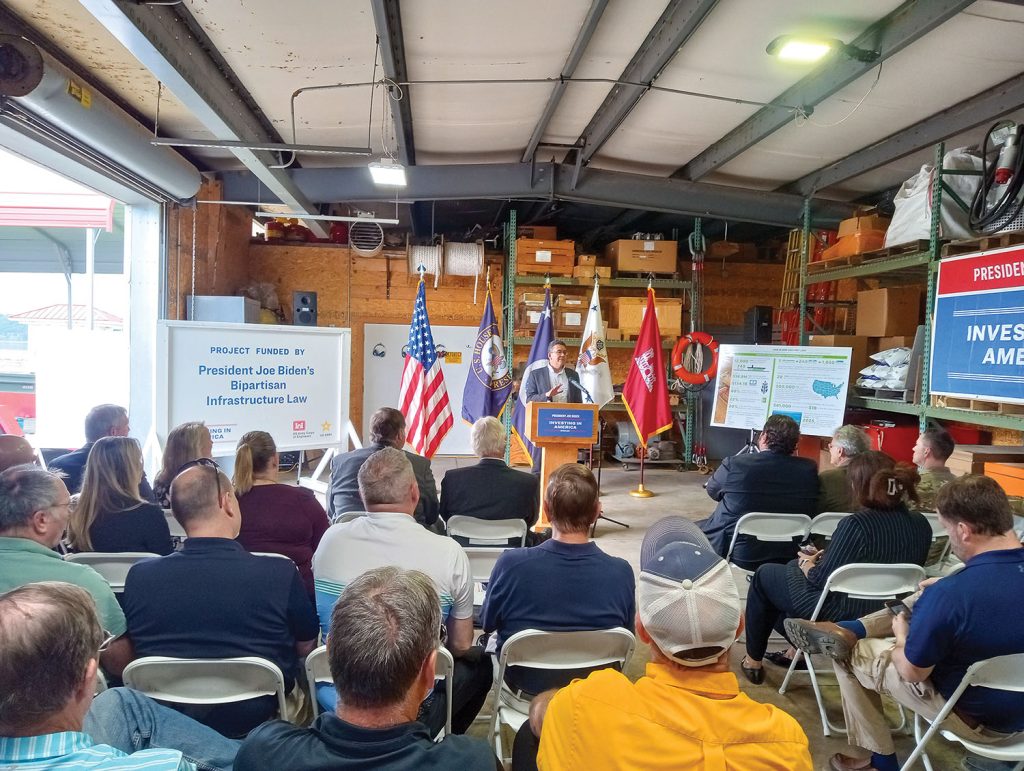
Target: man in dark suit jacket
490	489
102	420
387	429
772	480
553	383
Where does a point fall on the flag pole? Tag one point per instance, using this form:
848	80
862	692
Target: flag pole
641	491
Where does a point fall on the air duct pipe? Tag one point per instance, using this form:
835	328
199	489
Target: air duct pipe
51	92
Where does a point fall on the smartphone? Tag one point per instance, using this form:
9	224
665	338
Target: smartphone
896	607
809	549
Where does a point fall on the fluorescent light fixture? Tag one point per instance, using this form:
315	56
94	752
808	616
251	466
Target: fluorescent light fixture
277	147
807	50
326	217
388	172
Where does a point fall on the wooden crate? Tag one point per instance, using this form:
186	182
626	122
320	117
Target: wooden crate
626	313
535	256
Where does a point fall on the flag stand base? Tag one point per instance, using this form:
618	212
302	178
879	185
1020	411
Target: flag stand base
641	492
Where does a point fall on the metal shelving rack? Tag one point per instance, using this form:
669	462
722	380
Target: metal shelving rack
511	281
904	268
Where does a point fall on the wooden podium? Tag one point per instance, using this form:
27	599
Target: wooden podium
560	430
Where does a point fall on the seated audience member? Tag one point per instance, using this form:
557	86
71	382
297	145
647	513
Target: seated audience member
389	535
215	600
102	420
50	637
772	480
687	710
932	450
110	516
954	622
833	487
15	451
882	530
490	489
185	443
594	589
387	429
34	506
276	518
382	649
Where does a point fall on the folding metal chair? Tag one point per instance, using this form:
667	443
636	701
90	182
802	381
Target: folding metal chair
486	532
824	525
552	651
765	526
862	581
1002	673
113	566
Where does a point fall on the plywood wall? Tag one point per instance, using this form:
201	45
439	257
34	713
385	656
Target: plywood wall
353	291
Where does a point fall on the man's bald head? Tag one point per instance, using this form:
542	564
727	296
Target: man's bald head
15	451
194	497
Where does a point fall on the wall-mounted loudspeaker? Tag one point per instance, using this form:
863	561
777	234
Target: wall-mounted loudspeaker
304	309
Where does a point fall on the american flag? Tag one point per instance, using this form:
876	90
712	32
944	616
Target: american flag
423	398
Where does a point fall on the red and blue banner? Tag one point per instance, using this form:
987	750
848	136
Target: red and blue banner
978	332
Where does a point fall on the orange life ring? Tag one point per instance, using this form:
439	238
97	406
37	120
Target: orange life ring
679	352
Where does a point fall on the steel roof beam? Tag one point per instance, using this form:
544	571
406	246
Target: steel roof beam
164	43
387	19
963	116
551	182
674	27
583	39
890	35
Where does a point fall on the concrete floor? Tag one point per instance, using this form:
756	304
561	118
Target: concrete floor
683	494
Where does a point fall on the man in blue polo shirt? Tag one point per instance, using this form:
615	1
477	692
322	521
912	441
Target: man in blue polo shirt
215	600
566	584
955	622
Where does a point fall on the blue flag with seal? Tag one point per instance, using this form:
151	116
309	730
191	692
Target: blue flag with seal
489	382
537	360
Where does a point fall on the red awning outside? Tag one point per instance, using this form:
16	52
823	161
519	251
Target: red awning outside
56	210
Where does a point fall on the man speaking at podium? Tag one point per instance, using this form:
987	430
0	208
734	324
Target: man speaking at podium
553	383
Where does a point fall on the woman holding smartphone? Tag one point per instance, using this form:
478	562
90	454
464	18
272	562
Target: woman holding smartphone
883	530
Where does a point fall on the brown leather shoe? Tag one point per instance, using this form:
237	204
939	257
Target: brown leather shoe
841	762
821	637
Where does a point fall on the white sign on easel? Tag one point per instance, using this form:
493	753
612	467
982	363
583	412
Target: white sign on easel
292	382
808	383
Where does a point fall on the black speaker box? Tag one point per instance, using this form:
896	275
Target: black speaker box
757	325
304	309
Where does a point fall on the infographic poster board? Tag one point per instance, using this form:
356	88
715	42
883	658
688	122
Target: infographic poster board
292	382
808	383
978	337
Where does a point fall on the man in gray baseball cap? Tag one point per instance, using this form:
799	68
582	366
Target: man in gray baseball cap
687	710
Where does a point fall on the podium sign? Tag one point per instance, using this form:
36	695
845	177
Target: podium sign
560	430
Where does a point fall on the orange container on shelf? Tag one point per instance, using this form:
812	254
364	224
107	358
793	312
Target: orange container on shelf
274	230
855	243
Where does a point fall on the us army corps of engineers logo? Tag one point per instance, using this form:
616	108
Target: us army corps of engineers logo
489	364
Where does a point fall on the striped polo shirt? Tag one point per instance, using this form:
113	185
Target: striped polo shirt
379	539
73	751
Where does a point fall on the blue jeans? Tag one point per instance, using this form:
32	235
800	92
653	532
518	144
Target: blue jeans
131	721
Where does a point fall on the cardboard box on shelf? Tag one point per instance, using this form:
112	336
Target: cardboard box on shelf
589	271
629	256
626	313
889	312
535	256
896	341
1010	476
544	232
855	243
860	224
571	301
586	259
858	349
527	318
532	299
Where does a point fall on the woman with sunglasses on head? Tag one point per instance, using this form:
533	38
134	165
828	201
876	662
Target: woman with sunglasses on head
185	443
110	515
277	518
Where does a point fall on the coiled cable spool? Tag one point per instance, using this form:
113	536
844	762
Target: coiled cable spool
427	258
465	259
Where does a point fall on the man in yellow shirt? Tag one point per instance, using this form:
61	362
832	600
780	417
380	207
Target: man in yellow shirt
687	712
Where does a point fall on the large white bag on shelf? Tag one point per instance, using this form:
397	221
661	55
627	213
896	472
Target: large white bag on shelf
913	216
